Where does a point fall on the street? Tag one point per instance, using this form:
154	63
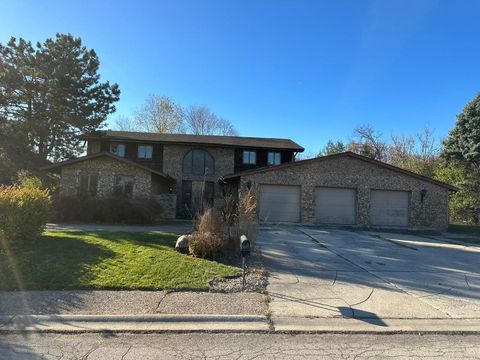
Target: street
237	346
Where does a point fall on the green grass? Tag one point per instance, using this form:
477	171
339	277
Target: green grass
105	260
464	229
465	233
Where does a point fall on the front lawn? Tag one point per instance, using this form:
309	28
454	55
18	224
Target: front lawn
465	233
105	260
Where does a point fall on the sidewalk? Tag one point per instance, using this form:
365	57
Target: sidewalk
105	302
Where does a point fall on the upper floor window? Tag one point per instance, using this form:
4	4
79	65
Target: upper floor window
145	151
117	149
198	162
249	157
273	158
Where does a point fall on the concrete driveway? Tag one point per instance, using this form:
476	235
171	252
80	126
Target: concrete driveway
369	276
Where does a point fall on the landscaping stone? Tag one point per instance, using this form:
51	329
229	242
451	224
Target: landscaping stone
183	242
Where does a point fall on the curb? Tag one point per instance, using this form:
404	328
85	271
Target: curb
133	323
376	326
162	323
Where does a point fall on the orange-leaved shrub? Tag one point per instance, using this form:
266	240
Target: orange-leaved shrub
24	212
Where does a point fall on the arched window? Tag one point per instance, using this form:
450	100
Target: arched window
198	162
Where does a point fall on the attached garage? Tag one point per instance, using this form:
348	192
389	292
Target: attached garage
335	206
279	203
347	189
389	208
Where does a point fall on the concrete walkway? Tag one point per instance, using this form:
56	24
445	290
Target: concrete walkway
322	274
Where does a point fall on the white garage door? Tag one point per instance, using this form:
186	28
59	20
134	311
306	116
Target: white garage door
334	206
389	208
279	203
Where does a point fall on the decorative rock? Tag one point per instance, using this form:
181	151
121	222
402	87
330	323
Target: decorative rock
182	243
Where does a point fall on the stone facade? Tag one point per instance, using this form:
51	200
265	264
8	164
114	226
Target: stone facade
362	176
173	166
107	169
168	203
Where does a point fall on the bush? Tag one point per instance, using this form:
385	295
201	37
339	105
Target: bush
209	240
206	245
24	212
110	210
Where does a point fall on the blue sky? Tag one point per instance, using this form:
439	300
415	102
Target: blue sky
307	70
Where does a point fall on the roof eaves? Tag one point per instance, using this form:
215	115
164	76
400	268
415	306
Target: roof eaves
344	154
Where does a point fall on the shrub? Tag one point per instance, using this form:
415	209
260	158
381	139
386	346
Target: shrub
26	180
209	240
206	245
109	210
24	212
240	213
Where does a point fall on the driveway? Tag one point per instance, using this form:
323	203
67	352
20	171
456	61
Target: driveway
370	276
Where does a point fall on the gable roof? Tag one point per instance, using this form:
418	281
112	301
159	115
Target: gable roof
109	155
212	140
336	156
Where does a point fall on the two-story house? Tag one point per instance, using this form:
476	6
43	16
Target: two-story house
184	172
180	171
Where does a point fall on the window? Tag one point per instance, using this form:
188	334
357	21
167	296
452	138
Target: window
88	185
198	162
249	157
145	151
124	186
197	195
273	158
117	149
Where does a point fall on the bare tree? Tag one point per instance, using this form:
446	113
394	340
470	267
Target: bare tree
124	123
202	121
160	114
369	142
418	153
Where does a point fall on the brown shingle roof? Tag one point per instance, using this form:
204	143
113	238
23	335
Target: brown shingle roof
334	156
110	155
228	141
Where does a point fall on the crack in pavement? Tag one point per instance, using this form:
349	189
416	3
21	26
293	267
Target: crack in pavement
374	275
158	305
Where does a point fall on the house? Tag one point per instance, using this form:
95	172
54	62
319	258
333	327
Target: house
183	172
180	171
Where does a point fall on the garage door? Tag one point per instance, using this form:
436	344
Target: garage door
334	206
389	208
279	203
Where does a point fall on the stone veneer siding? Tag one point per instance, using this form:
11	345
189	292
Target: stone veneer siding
107	169
173	165
364	177
168	203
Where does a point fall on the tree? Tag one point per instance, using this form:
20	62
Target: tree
160	114
368	142
463	143
418	153
202	121
465	204
51	93
124	123
333	147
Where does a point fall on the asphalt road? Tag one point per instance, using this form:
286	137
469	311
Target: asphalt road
237	346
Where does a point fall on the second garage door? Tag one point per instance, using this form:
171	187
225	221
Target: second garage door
334	206
279	203
389	208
